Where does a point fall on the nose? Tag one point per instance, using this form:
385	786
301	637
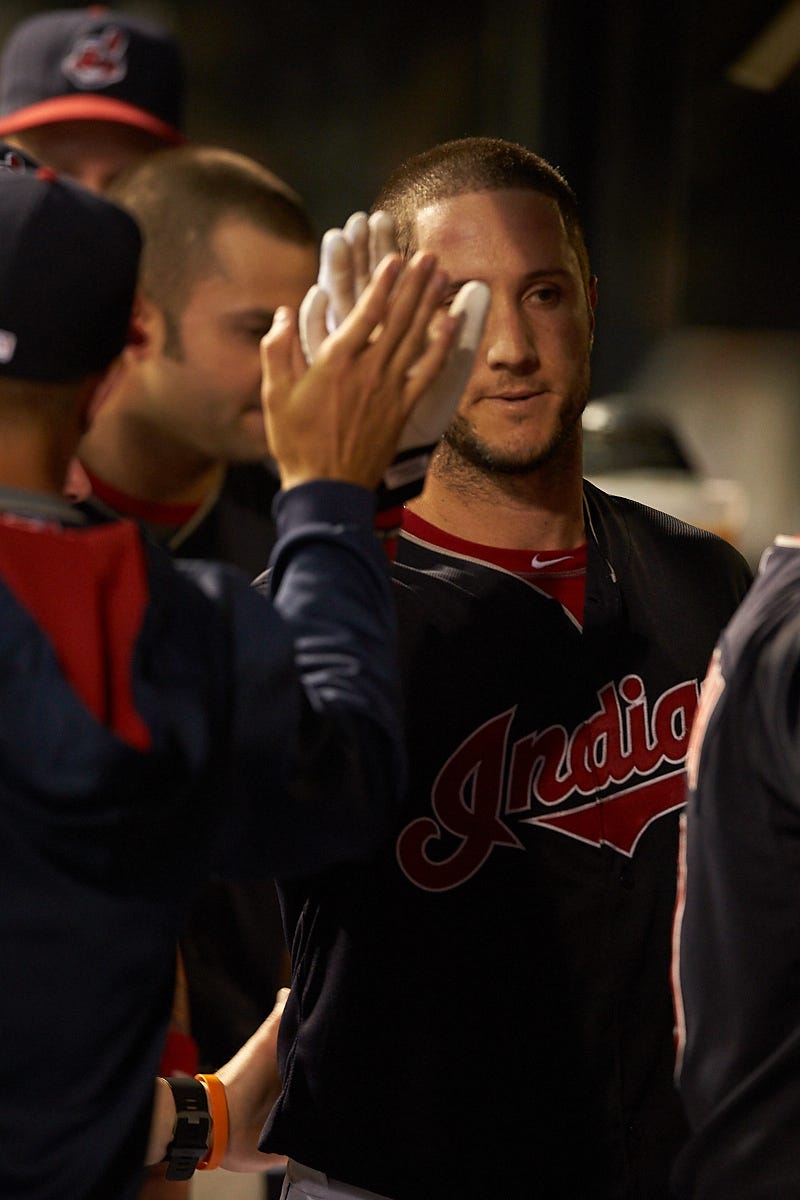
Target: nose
509	338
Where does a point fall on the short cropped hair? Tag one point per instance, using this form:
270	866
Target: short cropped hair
179	197
476	164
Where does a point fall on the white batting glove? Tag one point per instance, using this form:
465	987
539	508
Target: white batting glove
348	258
405	476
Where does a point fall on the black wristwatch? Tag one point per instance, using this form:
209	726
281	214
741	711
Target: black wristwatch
192	1128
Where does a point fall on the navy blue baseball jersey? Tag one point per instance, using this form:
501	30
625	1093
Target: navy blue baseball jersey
484	1008
233	946
161	722
739	952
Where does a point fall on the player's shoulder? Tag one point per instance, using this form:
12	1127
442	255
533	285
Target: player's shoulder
770	613
198	598
632	530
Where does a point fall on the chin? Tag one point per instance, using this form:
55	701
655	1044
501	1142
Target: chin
510	456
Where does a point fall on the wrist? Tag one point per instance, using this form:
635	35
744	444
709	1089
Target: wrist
162	1123
218	1108
191	1134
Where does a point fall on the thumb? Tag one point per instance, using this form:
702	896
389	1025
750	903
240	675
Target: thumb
276	346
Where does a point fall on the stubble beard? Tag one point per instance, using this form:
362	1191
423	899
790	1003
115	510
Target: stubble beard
461	445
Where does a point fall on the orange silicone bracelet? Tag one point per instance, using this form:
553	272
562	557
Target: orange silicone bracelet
218	1106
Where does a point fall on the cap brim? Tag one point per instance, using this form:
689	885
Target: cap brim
89	107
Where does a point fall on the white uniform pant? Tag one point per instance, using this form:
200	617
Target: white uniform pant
302	1183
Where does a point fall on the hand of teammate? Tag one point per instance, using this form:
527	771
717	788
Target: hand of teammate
342	417
348	259
252	1085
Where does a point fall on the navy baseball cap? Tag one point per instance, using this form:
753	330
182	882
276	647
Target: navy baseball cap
92	64
68	266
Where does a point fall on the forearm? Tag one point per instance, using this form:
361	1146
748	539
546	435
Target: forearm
329	583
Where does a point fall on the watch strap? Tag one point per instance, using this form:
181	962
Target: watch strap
192	1127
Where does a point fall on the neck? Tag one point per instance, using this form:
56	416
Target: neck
541	510
126	451
35	460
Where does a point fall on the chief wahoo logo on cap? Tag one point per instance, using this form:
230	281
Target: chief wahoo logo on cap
97	60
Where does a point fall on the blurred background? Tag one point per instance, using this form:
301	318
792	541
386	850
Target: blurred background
677	125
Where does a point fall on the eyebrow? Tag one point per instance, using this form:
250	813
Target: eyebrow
529	277
251	314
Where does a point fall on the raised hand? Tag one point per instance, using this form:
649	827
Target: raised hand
349	257
342	417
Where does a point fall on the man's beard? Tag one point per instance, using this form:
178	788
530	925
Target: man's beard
461	442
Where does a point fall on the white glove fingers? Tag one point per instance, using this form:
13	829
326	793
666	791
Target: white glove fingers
356	231
473	300
434	411
368	314
416	297
336	276
312	321
382	240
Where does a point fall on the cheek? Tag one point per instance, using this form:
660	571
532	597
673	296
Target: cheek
232	368
569	339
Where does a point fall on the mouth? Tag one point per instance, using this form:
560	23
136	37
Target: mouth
515	395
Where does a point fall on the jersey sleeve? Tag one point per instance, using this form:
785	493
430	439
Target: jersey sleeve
317	768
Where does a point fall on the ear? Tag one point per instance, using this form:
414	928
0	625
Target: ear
99	389
591	298
147	330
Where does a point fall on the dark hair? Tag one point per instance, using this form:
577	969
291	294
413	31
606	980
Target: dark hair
179	197
476	164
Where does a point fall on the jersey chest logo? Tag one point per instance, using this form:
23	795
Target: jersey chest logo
626	749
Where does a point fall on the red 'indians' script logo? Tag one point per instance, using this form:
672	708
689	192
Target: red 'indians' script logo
482	783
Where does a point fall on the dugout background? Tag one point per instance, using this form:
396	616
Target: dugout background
688	180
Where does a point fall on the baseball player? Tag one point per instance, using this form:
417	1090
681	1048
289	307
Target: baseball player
180	447
159	720
483	1009
90	91
738	959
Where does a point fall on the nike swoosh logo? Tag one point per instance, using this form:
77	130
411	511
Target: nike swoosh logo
549	562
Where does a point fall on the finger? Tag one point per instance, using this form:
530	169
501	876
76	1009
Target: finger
417	297
472	305
357	233
473	300
312	321
299	361
443	391
276	346
382	240
423	376
370	310
336	276
281	996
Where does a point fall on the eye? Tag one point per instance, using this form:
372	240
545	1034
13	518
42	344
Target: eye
448	299
544	294
254	331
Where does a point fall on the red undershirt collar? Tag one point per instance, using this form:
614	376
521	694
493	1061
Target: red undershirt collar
559	573
153	512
